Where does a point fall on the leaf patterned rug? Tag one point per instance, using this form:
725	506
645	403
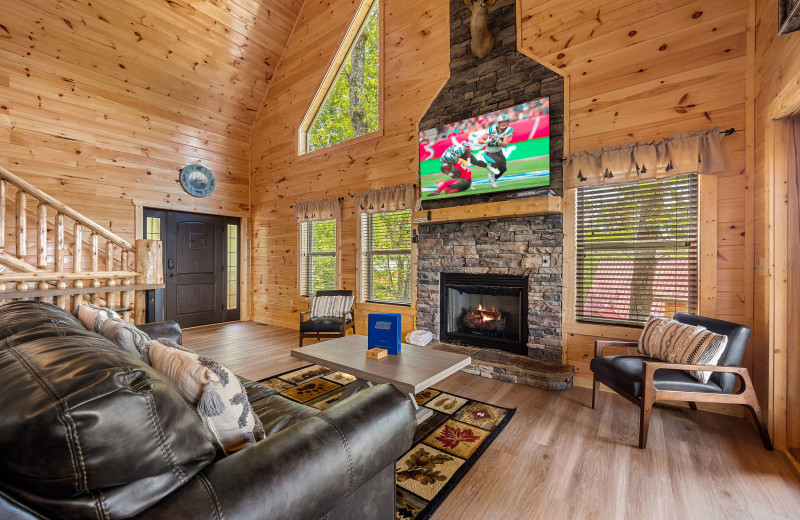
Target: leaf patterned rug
444	448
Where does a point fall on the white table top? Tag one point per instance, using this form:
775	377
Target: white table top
413	370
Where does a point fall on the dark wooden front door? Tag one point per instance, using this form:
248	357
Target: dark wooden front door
198	257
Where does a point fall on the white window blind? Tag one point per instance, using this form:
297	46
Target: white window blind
318	256
637	250
386	257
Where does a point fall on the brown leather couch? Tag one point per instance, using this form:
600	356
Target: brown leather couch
89	431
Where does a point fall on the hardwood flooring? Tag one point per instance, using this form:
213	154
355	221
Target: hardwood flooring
559	459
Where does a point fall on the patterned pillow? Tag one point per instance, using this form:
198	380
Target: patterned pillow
330	306
675	342
93	316
127	337
217	393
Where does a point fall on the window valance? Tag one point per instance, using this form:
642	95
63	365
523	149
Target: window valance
688	152
313	210
390	198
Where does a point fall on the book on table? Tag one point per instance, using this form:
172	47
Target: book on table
384	332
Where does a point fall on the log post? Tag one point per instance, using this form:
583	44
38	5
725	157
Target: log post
95	241
61	300
110	296
150	266
126	295
22	243
41	243
77	261
2	214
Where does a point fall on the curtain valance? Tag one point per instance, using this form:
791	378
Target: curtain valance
688	152
310	211
390	198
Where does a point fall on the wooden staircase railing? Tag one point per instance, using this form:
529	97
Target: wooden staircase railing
110	278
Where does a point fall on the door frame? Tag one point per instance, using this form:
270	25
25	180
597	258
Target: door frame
245	272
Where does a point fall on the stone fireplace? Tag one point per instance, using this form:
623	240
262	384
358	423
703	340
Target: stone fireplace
484	310
516	248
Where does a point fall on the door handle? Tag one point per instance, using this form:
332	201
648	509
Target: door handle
171	275
170	263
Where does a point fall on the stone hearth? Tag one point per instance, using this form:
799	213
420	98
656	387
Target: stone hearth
512	368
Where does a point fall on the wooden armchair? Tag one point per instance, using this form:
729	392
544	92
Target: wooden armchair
645	380
330	326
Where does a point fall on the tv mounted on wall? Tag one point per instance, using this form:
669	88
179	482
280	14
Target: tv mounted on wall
494	159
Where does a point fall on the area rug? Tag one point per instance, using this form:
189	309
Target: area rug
444	448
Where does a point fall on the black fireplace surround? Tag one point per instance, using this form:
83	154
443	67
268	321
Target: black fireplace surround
485	310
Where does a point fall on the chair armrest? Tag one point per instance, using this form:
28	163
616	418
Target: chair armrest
600	345
163	329
304	313
649	369
306	469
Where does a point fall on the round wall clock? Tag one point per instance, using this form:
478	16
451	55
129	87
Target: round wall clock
198	180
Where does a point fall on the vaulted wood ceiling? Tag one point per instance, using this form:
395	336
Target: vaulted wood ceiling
208	62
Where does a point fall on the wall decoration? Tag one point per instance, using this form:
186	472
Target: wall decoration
197	180
482	39
789	13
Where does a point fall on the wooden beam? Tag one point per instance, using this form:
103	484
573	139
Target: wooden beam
533	206
15	263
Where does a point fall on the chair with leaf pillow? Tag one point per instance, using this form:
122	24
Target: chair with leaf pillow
703	358
331	314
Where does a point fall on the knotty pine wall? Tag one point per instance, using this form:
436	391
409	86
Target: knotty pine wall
776	80
103	103
646	70
416	56
637	71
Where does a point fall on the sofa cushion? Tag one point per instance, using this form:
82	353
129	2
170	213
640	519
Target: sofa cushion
23	315
127	337
92	317
675	342
69	398
625	372
216	392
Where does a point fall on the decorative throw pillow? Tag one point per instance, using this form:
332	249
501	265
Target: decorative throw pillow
675	342
127	337
330	306
217	393
93	316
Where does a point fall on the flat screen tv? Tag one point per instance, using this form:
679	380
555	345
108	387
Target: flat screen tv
505	150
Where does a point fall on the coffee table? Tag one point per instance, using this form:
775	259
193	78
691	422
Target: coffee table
415	369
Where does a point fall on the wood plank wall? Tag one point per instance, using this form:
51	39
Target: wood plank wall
646	70
104	102
416	56
638	71
776	76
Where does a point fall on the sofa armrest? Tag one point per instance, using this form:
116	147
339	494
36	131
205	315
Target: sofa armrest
305	470
163	329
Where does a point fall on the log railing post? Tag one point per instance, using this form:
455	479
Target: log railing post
77	261
126	295
22	224
95	241
58	251
110	296
41	242
150	266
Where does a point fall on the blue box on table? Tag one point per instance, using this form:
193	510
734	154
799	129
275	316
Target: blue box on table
384	332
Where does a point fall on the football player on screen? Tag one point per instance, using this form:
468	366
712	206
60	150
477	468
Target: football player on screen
455	165
496	138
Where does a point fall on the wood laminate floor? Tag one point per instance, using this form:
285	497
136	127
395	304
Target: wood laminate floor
559	459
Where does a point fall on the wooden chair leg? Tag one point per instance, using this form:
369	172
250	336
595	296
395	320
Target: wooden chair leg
692	405
301	340
644	419
595	391
751	401
318	338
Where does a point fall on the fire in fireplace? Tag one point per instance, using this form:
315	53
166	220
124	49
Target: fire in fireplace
486	310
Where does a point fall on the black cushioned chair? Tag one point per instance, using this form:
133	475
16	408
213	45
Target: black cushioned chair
330	326
645	380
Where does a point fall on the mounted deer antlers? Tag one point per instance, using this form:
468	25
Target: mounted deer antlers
482	38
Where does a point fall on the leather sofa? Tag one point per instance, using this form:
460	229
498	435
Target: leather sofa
89	431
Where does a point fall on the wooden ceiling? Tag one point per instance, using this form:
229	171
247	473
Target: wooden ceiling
205	64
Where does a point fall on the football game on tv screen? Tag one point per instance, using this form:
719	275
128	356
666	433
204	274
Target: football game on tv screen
500	151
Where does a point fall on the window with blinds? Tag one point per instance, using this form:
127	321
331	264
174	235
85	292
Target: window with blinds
318	256
637	250
386	257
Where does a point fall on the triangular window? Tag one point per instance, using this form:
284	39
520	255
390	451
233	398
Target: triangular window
346	105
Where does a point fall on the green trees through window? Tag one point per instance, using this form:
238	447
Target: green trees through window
350	108
318	268
386	256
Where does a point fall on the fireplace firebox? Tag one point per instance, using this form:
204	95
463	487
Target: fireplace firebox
484	310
